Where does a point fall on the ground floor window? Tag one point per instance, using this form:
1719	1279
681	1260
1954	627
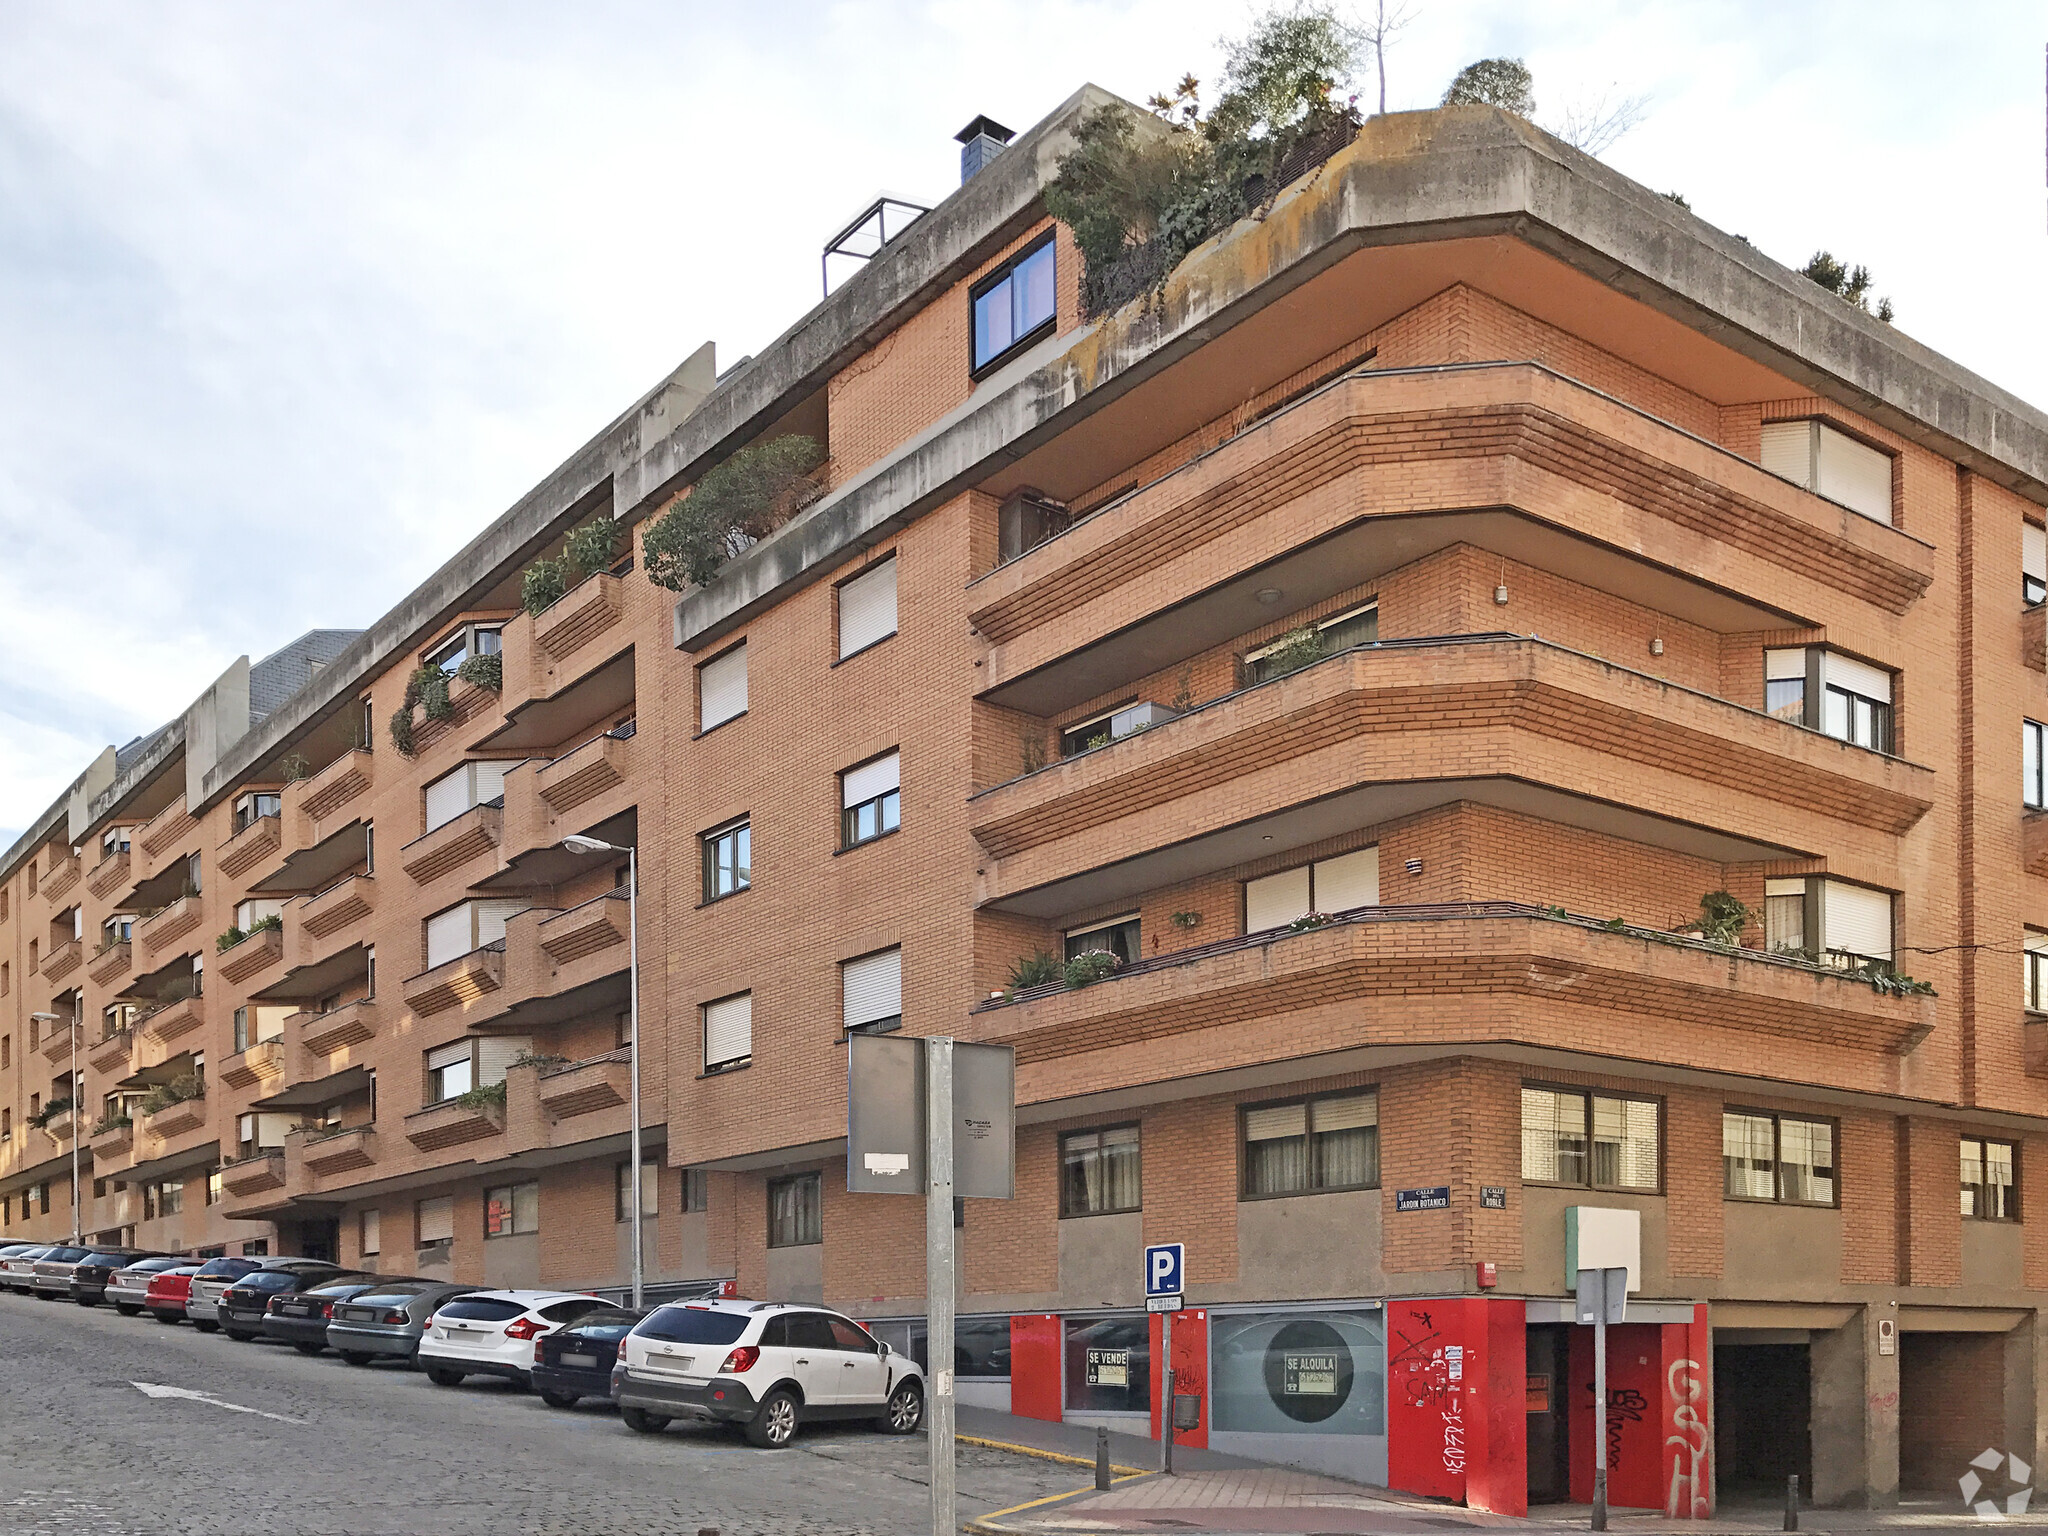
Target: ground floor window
1299	1373
1109	1364
796	1211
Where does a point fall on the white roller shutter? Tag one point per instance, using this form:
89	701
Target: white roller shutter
1856	919
448	935
373	1232
1855	474
2034	551
1870	682
491	916
437	1220
1276	900
1788	450
447	797
1348	1114
873	988
729	1030
490	780
1275	1121
1347	881
1782	666
494	1053
859	785
867	608
722	688
443	1056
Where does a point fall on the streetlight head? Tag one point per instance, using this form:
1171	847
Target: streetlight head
576	842
44	1018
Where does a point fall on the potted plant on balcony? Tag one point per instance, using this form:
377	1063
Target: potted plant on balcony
49	1112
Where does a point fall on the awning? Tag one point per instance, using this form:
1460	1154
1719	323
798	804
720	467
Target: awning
322	1090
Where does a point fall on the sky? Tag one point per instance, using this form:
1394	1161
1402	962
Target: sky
295	299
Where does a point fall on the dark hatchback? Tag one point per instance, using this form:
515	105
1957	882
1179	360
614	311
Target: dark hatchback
245	1304
90	1276
576	1362
300	1318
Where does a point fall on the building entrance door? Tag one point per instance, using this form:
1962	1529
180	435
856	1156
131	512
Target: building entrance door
1763	1429
1546	1399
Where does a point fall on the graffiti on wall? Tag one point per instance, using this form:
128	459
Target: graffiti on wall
1687	1499
1431	1375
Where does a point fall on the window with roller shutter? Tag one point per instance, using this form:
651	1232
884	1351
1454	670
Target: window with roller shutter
872	990
1831	463
464	789
1327	886
451	1071
871	800
1840	923
2033	562
867	607
728	1032
467	926
722	688
434	1221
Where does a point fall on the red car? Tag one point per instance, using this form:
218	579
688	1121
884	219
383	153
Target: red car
168	1293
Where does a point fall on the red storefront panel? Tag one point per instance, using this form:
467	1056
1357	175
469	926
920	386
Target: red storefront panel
1659	1424
1035	1366
1454	1401
1191	1370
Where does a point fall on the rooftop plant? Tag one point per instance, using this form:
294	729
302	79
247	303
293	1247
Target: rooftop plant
735	504
590	547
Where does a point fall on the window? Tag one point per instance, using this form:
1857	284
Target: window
1354	626
1831	920
796	1211
1099	1171
2033	563
113	843
728	1032
6	1049
1831	463
256	910
254	807
470	640
870	799
512	1209
2033	792
1328	885
260	1132
1112	725
160	1197
1989	1190
118	929
871	989
6	1124
256	1023
650	1189
2036	963
1014	305
728	859
1832	693
467	926
696	1190
1332	1142
434	1221
371	1232
1118	936
722	688
1600	1140
114	1018
463	789
451	1071
1776	1157
867	607
216	1190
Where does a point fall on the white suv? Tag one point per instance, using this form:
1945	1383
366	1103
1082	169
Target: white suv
764	1365
491	1333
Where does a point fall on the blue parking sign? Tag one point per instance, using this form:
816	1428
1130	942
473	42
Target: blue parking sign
1164	1263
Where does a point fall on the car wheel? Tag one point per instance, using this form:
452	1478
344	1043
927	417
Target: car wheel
355	1357
165	1317
561	1399
126	1311
85	1301
441	1377
905	1411
308	1347
238	1335
641	1422
773	1426
205	1327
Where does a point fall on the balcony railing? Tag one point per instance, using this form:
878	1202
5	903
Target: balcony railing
169	1020
458	982
583	1087
59	878
252	953
453	1123
584	930
338	1028
165	926
579	616
259	840
110	1053
346	901
57	1045
61	960
175	1119
334	786
585	772
111	963
343	1150
255	1174
108	876
452	844
261	1063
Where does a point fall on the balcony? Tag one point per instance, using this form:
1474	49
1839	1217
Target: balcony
466	701
254	1175
174	1119
603	1082
341	904
262	1062
111	964
61	1042
59	878
172	1019
597	924
579	617
1380	470
463	840
61	1127
109	1055
250	955
163	928
453	1123
248	848
61	960
164	835
560	966
327	1153
1461	973
340	783
461	982
338	1028
586	772
112	1145
108	876
1387	730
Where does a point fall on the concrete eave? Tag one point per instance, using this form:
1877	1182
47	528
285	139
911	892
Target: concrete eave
1410	178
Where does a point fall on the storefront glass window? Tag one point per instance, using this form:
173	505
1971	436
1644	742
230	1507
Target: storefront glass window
1109	1364
1299	1373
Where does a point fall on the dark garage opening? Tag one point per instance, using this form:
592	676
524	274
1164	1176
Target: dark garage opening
1951	1406
1763	1416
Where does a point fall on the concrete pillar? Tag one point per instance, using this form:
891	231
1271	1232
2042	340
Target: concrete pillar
2026	1371
1855	1414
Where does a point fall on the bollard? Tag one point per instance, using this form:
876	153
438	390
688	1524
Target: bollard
1101	1457
1792	1502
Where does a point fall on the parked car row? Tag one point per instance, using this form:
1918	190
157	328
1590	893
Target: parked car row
764	1368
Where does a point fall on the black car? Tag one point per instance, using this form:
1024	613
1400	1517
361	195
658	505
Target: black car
245	1304
576	1361
300	1318
89	1278
202	1307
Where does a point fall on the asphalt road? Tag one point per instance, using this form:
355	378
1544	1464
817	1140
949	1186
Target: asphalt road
351	1451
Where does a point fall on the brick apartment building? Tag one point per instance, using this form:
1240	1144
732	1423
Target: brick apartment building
1379	639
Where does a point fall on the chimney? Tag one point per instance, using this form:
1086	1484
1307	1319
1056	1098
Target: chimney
980	142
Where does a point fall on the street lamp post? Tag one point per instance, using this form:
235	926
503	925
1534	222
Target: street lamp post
51	1018
576	843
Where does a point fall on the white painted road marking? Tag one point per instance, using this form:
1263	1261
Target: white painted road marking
151	1389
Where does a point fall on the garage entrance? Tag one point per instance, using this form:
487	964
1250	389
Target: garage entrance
1763	1413
1951	1406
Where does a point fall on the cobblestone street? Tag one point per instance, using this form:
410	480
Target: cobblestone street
366	1452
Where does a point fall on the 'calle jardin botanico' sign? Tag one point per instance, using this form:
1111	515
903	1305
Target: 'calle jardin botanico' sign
1437	1198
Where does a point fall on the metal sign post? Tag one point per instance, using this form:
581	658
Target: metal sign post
1165	1282
1602	1299
938	1267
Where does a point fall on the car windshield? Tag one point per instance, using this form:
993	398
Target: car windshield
336	1288
396	1293
213	1269
483	1309
66	1255
265	1280
692	1325
153	1266
106	1260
